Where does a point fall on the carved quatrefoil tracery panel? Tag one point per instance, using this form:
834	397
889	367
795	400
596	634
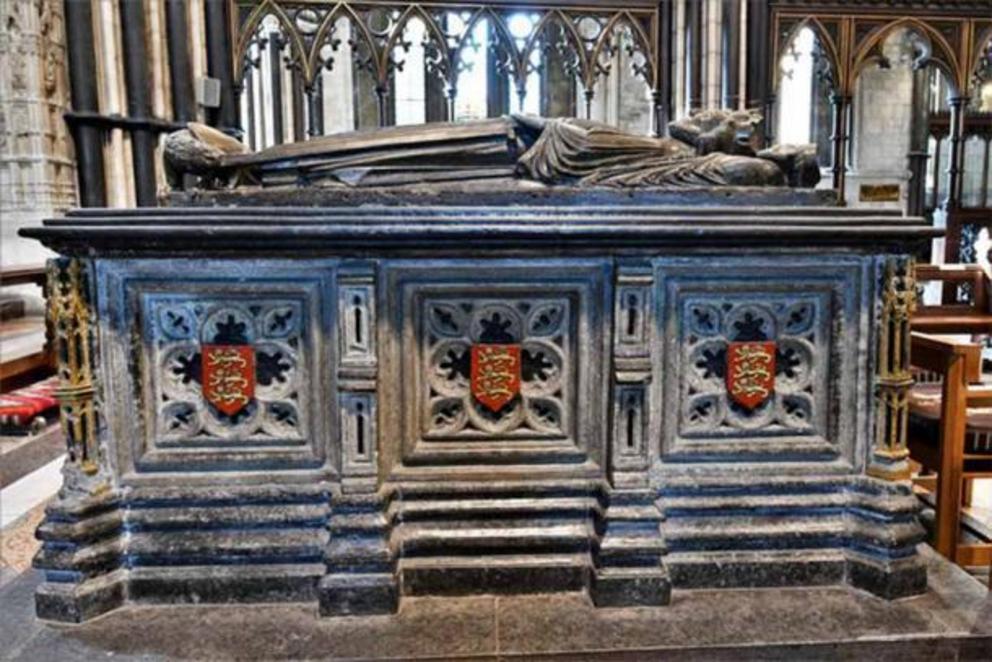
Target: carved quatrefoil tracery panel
796	400
542	330
270	330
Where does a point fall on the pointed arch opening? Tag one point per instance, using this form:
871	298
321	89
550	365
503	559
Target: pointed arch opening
805	78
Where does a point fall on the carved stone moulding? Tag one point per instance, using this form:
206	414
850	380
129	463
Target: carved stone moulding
169	329
807	318
539	317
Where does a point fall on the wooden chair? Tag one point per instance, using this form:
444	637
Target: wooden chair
955	318
950	431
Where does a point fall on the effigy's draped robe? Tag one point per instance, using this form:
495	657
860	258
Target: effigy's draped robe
598	154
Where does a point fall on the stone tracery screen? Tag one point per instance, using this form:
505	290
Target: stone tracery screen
541	328
494	364
185	330
315	68
221	372
807	399
793	329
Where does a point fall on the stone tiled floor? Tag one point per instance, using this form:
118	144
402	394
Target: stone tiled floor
18	544
22	455
952	621
22	507
25	494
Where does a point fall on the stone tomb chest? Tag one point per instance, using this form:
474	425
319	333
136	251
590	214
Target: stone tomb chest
353	403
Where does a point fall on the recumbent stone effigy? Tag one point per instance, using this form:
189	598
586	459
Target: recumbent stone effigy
505	356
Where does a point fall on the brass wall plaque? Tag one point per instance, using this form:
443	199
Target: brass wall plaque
879	193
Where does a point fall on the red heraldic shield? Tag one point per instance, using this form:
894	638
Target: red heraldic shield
750	372
228	376
495	374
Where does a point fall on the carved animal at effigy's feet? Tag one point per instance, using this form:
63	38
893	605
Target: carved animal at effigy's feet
709	148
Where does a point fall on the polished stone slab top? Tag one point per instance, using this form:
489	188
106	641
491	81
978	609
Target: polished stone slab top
953	620
625	227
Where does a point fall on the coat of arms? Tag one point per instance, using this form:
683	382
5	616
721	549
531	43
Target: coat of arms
750	372
228	378
495	374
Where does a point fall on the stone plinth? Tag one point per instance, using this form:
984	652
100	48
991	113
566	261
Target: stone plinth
354	406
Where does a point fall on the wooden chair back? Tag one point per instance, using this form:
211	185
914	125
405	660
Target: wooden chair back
975	317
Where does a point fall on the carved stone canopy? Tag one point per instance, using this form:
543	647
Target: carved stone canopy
707	149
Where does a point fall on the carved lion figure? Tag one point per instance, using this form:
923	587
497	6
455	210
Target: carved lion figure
727	131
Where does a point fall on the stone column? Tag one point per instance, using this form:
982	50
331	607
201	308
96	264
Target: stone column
694	34
841	106
180	67
82	76
757	58
955	165
917	183
662	95
955	177
37	173
892	371
730	37
631	522
918	135
360	569
220	66
139	106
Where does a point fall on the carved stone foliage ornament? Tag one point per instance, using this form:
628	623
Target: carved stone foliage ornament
496	367
228	369
750	365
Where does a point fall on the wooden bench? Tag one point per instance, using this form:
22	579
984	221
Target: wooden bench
36	365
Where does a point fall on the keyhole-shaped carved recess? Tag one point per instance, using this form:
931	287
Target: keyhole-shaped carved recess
360	429
630	422
356	314
632	306
631	414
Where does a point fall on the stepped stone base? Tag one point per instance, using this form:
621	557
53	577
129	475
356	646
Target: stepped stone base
948	622
744	532
358	594
77	602
630	587
891	581
191	545
494	574
361	553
